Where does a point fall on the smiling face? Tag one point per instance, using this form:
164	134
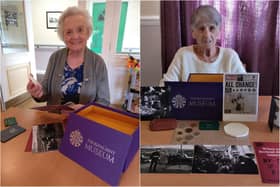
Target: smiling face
75	33
206	34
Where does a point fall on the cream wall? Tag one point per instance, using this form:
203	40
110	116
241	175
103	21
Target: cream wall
150	8
150	43
42	35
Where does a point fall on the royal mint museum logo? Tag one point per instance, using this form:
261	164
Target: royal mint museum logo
76	138
178	101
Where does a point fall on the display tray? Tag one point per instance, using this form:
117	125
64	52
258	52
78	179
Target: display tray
111	119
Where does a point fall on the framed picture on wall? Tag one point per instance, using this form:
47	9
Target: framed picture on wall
52	19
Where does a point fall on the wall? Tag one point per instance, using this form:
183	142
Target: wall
150	43
45	38
42	35
150	8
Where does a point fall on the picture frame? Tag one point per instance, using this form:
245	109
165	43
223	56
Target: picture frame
241	97
273	120
52	19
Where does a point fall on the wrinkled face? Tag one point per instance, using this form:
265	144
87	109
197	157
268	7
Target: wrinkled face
75	32
206	34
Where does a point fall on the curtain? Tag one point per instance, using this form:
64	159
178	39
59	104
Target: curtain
249	27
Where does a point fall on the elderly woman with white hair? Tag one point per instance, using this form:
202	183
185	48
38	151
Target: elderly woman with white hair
74	74
204	56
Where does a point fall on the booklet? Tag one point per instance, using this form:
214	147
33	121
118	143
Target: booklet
46	137
55	108
241	94
268	160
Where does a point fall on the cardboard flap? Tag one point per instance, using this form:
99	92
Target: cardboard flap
196	100
100	149
206	77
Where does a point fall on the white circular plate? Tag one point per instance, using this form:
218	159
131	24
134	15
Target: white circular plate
236	130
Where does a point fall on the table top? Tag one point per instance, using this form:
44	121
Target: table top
259	131
20	168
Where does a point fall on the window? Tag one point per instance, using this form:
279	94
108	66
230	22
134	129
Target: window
122	28
116	35
131	28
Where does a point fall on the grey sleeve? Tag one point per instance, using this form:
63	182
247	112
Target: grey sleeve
102	87
45	80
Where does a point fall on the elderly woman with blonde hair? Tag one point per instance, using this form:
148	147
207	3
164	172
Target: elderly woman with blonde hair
204	56
75	73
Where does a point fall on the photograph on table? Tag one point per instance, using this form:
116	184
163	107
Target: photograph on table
166	158
154	102
233	159
47	137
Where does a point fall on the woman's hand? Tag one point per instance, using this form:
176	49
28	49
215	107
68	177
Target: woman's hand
76	106
35	89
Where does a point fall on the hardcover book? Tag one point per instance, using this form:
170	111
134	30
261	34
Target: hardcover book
101	139
241	94
195	100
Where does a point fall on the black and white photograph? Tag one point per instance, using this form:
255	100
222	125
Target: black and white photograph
234	159
11	17
47	137
154	102
52	19
167	158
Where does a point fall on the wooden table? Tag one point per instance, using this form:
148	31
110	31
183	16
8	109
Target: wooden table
259	131
20	168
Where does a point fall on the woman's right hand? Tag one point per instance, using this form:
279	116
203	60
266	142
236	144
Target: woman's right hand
35	89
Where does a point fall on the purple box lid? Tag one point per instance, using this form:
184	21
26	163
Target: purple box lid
100	149
196	100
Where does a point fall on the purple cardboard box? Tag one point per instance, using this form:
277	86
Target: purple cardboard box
102	140
196	100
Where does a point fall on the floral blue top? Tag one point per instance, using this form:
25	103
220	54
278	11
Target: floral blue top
71	84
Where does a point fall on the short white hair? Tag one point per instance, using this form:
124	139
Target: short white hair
208	12
72	11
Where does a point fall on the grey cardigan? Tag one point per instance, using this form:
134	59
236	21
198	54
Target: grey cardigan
95	86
